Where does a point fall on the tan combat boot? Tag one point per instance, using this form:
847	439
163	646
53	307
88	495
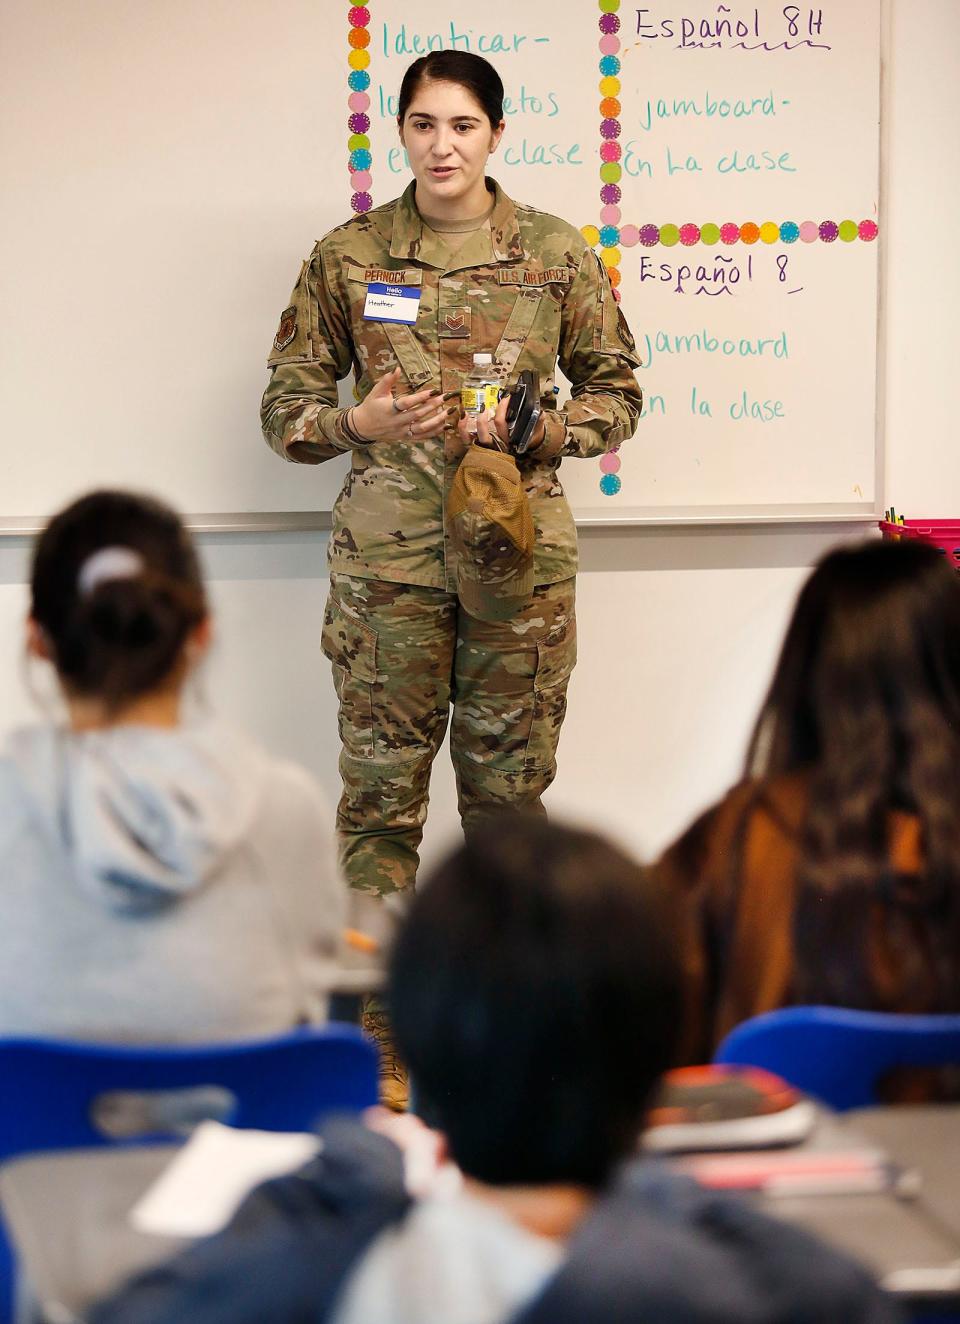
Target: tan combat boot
394	1081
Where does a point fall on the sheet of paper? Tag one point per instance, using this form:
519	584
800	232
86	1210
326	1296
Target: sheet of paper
199	1192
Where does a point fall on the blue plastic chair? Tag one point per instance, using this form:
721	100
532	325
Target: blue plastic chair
837	1054
53	1092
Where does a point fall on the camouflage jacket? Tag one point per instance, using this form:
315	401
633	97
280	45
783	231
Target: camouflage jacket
528	289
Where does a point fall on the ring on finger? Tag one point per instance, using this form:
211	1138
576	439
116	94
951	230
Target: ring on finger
410	429
396	406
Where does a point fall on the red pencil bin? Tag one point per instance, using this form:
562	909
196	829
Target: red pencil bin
941	533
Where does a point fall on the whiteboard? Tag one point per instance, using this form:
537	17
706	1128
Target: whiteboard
167	164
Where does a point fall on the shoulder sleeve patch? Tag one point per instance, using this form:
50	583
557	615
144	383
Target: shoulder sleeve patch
611	333
292	342
286	330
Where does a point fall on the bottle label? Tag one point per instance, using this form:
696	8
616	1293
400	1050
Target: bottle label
480	399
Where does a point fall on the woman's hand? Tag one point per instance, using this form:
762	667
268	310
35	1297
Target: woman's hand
382	416
496	434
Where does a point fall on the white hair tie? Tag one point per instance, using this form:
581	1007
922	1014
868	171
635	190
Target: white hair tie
108	563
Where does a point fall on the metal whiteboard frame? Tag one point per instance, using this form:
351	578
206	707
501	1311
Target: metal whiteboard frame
319	521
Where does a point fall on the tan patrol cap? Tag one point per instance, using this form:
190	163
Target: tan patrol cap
491	529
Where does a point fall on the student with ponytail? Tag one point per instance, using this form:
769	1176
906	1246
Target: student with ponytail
159	880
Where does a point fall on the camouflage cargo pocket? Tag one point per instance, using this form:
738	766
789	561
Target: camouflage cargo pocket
556	660
352	648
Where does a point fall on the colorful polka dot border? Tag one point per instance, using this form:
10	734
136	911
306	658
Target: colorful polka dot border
613	235
610	150
610	235
360	157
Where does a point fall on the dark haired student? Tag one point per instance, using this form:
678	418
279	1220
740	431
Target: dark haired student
535	995
831	873
161	880
408	633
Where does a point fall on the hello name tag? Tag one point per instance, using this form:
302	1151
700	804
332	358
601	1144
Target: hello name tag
391	303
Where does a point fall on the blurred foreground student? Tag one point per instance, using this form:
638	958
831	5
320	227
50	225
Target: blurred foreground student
534	995
831	874
158	881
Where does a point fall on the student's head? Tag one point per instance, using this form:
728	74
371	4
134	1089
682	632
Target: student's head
870	666
117	599
450	119
865	700
534	996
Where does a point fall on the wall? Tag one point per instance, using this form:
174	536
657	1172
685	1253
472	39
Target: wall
679	628
678	631
922	272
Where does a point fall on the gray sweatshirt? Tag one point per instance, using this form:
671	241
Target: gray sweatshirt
162	885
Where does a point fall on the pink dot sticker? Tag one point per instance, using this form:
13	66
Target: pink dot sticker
689	234
359	16
629	236
361	180
609	44
610	463
358	101
729	232
610	152
610	215
809	232
616	296
867	230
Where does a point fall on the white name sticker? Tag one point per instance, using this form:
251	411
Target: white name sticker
391	303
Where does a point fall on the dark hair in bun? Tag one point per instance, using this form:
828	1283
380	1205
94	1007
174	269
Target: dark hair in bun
123	637
470	71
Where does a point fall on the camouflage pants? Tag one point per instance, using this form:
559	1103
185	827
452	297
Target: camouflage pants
403	654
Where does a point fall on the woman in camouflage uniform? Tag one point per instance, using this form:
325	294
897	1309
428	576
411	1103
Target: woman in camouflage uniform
487	274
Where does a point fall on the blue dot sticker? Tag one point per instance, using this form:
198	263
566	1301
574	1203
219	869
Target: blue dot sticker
789	232
610	484
360	159
609	236
359	80
609	66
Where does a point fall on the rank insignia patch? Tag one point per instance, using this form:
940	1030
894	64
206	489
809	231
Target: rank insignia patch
455	323
286	330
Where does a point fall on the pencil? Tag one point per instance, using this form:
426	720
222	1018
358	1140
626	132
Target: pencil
360	942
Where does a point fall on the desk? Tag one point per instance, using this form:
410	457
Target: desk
68	1212
928	1139
912	1244
67	1217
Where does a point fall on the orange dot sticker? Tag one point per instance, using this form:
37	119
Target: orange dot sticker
610	108
749	232
359	38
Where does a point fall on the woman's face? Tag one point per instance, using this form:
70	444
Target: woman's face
448	139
